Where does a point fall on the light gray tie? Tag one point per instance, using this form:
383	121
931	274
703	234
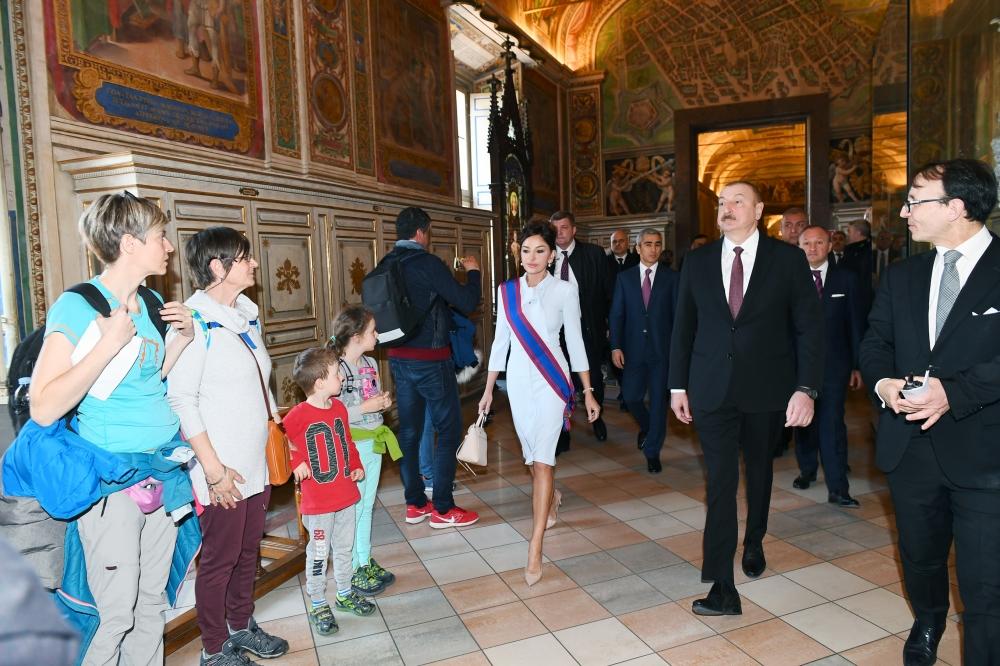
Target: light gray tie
948	292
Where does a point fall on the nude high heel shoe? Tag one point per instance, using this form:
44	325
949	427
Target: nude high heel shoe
532	578
554	516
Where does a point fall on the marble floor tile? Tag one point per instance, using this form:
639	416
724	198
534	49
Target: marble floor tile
594	568
502	624
374	649
613	536
454	568
881	607
659	526
566	609
778	595
874	567
478	593
624	595
403	610
825	545
644	556
544	649
601	643
566	545
665	626
776	643
829	581
492	536
630	510
440	545
553	580
834	627
677	581
714	651
433	641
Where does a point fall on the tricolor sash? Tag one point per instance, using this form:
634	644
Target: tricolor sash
537	350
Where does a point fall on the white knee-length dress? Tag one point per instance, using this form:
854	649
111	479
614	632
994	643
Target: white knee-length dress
537	410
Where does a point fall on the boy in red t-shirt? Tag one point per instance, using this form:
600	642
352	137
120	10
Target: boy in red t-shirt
325	461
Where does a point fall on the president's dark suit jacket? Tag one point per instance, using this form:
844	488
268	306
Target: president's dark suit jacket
614	268
751	360
966	358
590	267
844	323
643	333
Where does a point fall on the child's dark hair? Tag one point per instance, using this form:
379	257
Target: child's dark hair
351	321
312	365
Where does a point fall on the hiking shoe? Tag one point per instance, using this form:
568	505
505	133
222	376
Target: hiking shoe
364	583
229	655
355	603
322	618
256	640
418	514
376	570
457	517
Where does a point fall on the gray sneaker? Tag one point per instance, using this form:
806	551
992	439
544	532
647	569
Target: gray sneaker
229	655
259	642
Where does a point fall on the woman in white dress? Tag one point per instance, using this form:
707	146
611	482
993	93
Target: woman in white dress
531	311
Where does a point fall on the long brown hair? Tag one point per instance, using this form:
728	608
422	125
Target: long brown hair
351	321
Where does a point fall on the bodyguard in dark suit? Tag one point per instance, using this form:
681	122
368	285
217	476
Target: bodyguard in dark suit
858	259
941	449
838	292
621	257
642	318
586	265
745	358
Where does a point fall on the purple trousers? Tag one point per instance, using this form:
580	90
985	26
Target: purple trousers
223	589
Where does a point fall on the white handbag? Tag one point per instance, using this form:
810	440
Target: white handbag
473	448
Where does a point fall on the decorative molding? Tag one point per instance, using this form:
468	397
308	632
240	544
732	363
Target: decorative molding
32	221
279	24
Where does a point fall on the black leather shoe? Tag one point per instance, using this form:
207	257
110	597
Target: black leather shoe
753	560
802	481
843	500
600	430
622	406
640	440
653	465
921	646
722	599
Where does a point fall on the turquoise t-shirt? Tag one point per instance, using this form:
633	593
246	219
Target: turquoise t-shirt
136	417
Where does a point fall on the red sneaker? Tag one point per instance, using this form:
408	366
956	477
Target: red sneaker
418	514
457	517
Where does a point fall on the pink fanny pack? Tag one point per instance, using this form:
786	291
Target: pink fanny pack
147	494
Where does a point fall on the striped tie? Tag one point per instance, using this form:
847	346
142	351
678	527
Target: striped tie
948	292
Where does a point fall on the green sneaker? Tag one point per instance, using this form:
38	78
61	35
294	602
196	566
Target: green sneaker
355	603
375	570
365	584
322	618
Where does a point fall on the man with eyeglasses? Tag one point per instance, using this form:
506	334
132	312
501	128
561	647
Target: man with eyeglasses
940	311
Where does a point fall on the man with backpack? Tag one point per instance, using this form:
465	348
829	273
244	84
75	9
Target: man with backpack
420	358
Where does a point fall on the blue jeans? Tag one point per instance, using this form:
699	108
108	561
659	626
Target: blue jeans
422	387
427	447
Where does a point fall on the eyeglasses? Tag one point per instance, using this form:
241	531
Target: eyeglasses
908	205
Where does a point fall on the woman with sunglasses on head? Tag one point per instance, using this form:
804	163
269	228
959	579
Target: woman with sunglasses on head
217	390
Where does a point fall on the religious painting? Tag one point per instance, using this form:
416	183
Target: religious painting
329	83
184	71
541	97
287	270
782	191
850	169
414	96
640	185
280	31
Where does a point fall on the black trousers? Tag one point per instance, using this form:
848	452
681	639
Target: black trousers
827	437
723	432
595	359
638	378
930	513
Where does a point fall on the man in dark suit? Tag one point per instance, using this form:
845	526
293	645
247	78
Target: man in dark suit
884	253
838	241
858	259
620	258
745	358
827	435
621	255
939	448
586	265
642	317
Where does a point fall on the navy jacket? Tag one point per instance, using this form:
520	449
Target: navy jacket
431	285
844	324
643	334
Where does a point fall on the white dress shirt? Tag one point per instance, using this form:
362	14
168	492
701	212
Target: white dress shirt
972	250
642	273
823	268
748	257
559	259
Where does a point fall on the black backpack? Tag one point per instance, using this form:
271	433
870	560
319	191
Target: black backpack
22	363
383	291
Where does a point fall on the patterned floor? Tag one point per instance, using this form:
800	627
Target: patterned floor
621	571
